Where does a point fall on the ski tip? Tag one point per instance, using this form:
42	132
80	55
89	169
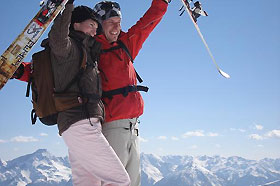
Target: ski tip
224	74
42	2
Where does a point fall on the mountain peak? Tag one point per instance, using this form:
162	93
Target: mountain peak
40	167
3	163
41	151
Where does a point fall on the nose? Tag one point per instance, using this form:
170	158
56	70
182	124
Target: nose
117	26
93	32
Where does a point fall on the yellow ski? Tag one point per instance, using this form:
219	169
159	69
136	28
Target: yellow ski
17	51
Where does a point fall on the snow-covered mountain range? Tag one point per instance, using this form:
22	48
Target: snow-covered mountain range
208	171
37	169
43	169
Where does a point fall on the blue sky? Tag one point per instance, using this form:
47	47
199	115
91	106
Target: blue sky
190	108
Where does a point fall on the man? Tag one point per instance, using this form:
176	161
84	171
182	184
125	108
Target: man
121	97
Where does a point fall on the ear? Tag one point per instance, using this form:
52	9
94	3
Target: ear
76	26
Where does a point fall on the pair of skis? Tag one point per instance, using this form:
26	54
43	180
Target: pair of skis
194	13
11	59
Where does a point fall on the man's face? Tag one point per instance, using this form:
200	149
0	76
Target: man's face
88	27
112	28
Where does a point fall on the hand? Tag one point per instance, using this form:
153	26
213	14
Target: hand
70	2
19	72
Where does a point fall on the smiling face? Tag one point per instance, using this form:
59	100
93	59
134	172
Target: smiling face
88	27
112	28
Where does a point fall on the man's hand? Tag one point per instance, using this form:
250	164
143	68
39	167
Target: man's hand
19	72
70	2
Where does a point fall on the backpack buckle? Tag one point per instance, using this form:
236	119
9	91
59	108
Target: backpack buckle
80	100
33	116
125	91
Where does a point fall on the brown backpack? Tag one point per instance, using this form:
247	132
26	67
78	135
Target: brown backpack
45	105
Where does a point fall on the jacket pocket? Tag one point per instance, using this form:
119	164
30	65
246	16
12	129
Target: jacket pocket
64	101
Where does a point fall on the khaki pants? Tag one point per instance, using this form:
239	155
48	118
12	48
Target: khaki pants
92	159
123	137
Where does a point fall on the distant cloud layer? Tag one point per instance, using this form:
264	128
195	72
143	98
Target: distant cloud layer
43	134
270	134
162	137
174	138
256	137
211	134
142	139
259	127
199	133
273	134
240	130
24	139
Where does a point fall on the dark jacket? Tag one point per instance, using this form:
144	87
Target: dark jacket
66	57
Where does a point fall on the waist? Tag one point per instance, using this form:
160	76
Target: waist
120	107
121	123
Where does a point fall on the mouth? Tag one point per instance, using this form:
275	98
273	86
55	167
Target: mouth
114	33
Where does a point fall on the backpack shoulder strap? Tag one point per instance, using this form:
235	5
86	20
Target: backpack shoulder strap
122	46
110	49
43	55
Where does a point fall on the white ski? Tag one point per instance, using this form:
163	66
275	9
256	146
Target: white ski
188	9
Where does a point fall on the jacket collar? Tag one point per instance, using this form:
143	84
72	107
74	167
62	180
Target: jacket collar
77	35
82	37
105	44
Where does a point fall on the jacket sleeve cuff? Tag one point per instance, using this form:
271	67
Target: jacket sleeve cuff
26	72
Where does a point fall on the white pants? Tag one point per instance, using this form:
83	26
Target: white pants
123	137
92	159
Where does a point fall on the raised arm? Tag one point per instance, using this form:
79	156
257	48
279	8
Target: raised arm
138	33
59	40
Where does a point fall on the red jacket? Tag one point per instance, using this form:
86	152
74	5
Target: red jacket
117	70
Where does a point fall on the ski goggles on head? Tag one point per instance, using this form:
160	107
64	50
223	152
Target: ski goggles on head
110	5
106	9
